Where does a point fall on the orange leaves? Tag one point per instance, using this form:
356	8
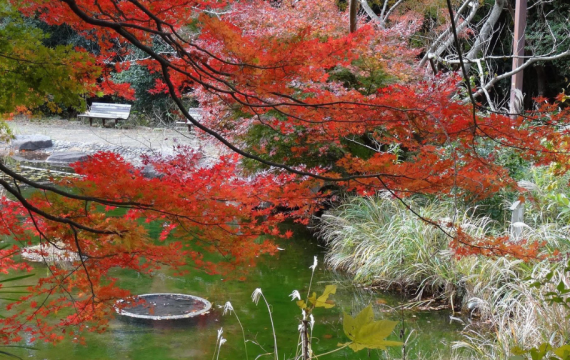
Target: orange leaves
124	90
264	54
210	207
464	245
260	66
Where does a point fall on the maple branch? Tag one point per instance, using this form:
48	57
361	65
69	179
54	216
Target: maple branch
246	154
48	216
41	64
463	68
69	195
233	91
407	206
80	255
59	283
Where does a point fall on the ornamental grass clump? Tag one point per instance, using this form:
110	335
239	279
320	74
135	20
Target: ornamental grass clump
514	312
379	241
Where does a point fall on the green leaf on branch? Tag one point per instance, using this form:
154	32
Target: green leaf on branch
563	352
323	300
366	333
541	352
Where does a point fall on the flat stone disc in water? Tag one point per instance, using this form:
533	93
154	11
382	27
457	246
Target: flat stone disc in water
166	306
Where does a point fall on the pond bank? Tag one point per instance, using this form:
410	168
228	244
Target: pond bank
379	242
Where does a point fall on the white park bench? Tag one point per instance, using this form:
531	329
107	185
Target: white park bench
196	113
107	111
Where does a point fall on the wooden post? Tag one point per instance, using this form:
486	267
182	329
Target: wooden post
516	105
517	217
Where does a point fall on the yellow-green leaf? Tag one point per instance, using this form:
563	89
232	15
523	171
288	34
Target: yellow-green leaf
366	333
563	352
323	300
313	298
351	325
518	351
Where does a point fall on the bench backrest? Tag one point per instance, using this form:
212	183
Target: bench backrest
196	113
120	111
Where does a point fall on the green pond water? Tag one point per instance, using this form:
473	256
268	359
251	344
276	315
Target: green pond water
277	276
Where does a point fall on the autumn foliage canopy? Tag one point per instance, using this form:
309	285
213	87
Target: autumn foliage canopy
266	75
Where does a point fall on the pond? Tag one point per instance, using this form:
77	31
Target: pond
277	276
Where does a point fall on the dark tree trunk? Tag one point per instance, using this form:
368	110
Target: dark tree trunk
540	80
352	15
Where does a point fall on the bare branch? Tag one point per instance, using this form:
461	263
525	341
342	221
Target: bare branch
445	39
531	61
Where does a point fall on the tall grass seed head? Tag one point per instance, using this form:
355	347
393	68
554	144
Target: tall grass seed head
256	295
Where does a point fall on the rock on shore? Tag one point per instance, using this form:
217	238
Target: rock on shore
31	142
67	157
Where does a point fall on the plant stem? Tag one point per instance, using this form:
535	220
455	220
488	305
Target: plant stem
335	350
403	334
305	339
272	327
310	283
243	334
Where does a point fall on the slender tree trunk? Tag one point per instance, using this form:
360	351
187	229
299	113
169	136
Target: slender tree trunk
540	79
353	9
518	52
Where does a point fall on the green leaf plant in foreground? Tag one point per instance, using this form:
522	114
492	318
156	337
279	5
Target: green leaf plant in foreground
32	74
362	330
542	352
366	333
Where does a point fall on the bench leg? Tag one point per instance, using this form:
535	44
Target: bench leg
189	127
90	121
103	122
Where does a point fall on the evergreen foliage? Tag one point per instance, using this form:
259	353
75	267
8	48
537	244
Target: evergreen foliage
32	74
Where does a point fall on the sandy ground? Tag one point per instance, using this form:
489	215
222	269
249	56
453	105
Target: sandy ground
76	135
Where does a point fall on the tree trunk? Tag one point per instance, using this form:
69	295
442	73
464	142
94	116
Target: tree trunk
540	79
352	14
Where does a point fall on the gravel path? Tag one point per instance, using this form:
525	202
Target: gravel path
130	143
